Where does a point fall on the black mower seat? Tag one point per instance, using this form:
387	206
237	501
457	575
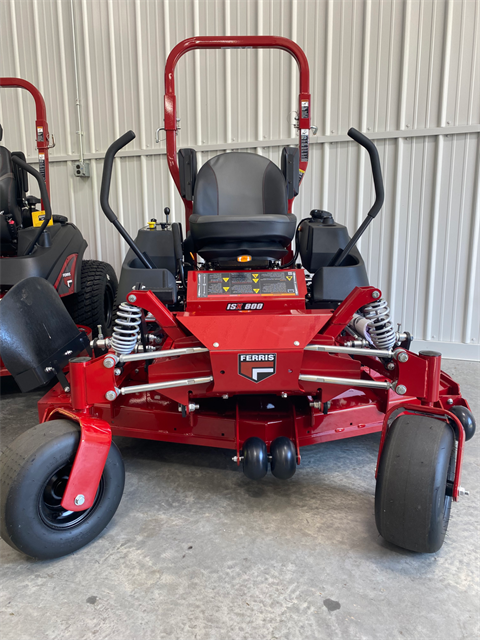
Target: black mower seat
10	212
240	207
8	188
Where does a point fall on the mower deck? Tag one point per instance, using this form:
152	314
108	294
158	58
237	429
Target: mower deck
149	415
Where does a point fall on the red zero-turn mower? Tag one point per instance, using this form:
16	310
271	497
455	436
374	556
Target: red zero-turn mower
245	351
37	243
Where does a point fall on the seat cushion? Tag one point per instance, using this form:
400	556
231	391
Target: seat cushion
210	230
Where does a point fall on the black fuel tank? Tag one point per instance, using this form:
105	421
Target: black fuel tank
320	238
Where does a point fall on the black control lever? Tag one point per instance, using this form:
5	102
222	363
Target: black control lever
367	144
46	200
105	192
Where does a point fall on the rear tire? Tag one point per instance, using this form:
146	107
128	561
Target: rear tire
34	473
412	508
94	304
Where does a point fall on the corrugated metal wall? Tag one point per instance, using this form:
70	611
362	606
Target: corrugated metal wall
405	72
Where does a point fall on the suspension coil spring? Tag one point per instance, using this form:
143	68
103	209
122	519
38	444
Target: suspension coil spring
380	327
127	328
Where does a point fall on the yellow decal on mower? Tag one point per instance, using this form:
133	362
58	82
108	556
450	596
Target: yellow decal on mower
38	217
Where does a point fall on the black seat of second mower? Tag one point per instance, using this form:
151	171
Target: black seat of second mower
240	207
8	200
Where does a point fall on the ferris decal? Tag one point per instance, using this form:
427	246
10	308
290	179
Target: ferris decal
257	366
65	281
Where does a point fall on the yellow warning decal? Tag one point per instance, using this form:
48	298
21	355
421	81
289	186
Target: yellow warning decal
38	217
256	290
289	277
254	275
226	288
226	279
255	280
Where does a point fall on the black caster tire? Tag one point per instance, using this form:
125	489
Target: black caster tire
466	418
94	304
412	501
255	458
284	458
34	472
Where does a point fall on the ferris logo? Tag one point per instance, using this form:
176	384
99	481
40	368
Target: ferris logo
67	278
257	366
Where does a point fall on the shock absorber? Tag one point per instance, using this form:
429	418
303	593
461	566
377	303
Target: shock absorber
127	328
380	328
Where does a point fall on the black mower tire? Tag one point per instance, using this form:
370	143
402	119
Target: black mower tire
31	520
94	304
412	504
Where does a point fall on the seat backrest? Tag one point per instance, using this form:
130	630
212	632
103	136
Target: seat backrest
21	176
8	187
240	184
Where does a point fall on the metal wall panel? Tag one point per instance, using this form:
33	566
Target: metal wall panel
407	72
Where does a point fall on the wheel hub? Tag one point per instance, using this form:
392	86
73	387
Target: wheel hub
50	508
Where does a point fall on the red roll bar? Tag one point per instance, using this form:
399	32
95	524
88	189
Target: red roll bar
234	42
43	136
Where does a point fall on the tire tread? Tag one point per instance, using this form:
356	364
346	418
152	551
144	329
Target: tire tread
86	306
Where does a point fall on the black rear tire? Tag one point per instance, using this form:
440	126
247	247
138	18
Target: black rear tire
412	503
93	305
34	472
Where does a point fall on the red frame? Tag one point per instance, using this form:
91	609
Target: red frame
154	414
229	42
41	124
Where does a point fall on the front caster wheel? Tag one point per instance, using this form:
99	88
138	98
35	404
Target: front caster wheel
413	494
35	471
284	458
255	458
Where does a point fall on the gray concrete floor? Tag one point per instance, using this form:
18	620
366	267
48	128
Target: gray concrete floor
196	551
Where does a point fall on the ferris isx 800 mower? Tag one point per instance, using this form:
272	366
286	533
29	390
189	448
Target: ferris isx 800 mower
244	350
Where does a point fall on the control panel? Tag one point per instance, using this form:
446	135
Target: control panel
236	291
